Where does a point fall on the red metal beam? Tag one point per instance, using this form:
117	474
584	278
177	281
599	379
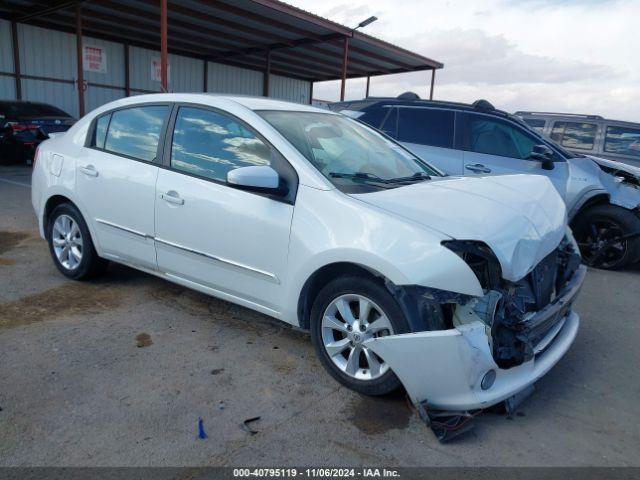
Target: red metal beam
433	80
345	62
16	59
164	56
79	60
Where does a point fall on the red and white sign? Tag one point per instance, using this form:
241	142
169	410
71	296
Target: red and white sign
94	59
155	70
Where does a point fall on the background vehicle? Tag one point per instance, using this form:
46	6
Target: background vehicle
589	134
23	125
602	196
319	220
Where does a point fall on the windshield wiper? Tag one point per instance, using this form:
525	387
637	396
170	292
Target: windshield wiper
418	176
363	176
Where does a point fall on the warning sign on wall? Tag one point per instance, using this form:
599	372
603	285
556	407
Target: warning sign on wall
155	70
94	59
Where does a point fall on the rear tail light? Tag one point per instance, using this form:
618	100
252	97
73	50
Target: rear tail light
21	127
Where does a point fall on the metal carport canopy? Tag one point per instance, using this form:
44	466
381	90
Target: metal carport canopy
265	35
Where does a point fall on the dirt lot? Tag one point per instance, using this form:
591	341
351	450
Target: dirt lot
118	372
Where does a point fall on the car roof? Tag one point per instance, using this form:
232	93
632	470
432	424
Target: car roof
574	116
412	100
250	102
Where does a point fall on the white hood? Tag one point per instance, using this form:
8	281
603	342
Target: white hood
521	218
635	171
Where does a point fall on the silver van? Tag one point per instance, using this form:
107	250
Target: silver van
589	134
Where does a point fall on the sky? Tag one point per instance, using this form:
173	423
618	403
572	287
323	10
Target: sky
575	56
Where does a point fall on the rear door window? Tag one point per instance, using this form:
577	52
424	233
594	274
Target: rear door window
426	126
135	132
623	141
575	135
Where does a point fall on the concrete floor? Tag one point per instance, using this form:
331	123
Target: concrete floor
76	390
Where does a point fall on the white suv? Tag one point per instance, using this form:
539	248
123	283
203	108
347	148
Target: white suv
460	288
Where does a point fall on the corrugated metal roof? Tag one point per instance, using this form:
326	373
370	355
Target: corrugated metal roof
233	32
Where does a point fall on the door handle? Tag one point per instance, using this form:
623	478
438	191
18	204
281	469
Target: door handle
478	168
89	170
172	197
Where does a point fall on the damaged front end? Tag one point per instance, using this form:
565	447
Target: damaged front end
518	313
469	353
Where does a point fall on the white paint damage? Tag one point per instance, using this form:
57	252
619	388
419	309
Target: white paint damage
621	191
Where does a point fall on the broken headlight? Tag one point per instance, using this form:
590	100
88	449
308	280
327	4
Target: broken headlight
480	259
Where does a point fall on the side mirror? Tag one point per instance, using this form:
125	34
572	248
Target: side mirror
257	178
543	154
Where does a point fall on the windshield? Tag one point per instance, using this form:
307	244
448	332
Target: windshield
29	109
354	157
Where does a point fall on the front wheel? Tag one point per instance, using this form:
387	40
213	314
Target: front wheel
347	312
608	236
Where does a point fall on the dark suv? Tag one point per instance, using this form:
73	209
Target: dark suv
602	196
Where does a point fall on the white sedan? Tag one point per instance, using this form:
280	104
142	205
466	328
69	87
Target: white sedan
459	288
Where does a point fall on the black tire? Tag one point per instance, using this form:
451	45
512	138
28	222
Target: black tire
605	234
90	264
376	292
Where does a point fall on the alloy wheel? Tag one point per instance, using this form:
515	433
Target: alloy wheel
67	242
347	323
603	244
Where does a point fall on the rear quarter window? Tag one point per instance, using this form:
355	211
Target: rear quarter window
536	124
426	126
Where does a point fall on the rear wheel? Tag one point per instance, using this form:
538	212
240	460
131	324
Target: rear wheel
347	312
70	244
608	236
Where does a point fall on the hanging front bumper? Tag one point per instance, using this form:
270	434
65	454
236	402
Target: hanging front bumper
445	368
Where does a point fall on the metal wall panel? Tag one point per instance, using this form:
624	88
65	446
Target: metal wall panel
98	96
7	88
114	74
290	89
228	79
6	47
62	95
140	69
47	53
187	74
